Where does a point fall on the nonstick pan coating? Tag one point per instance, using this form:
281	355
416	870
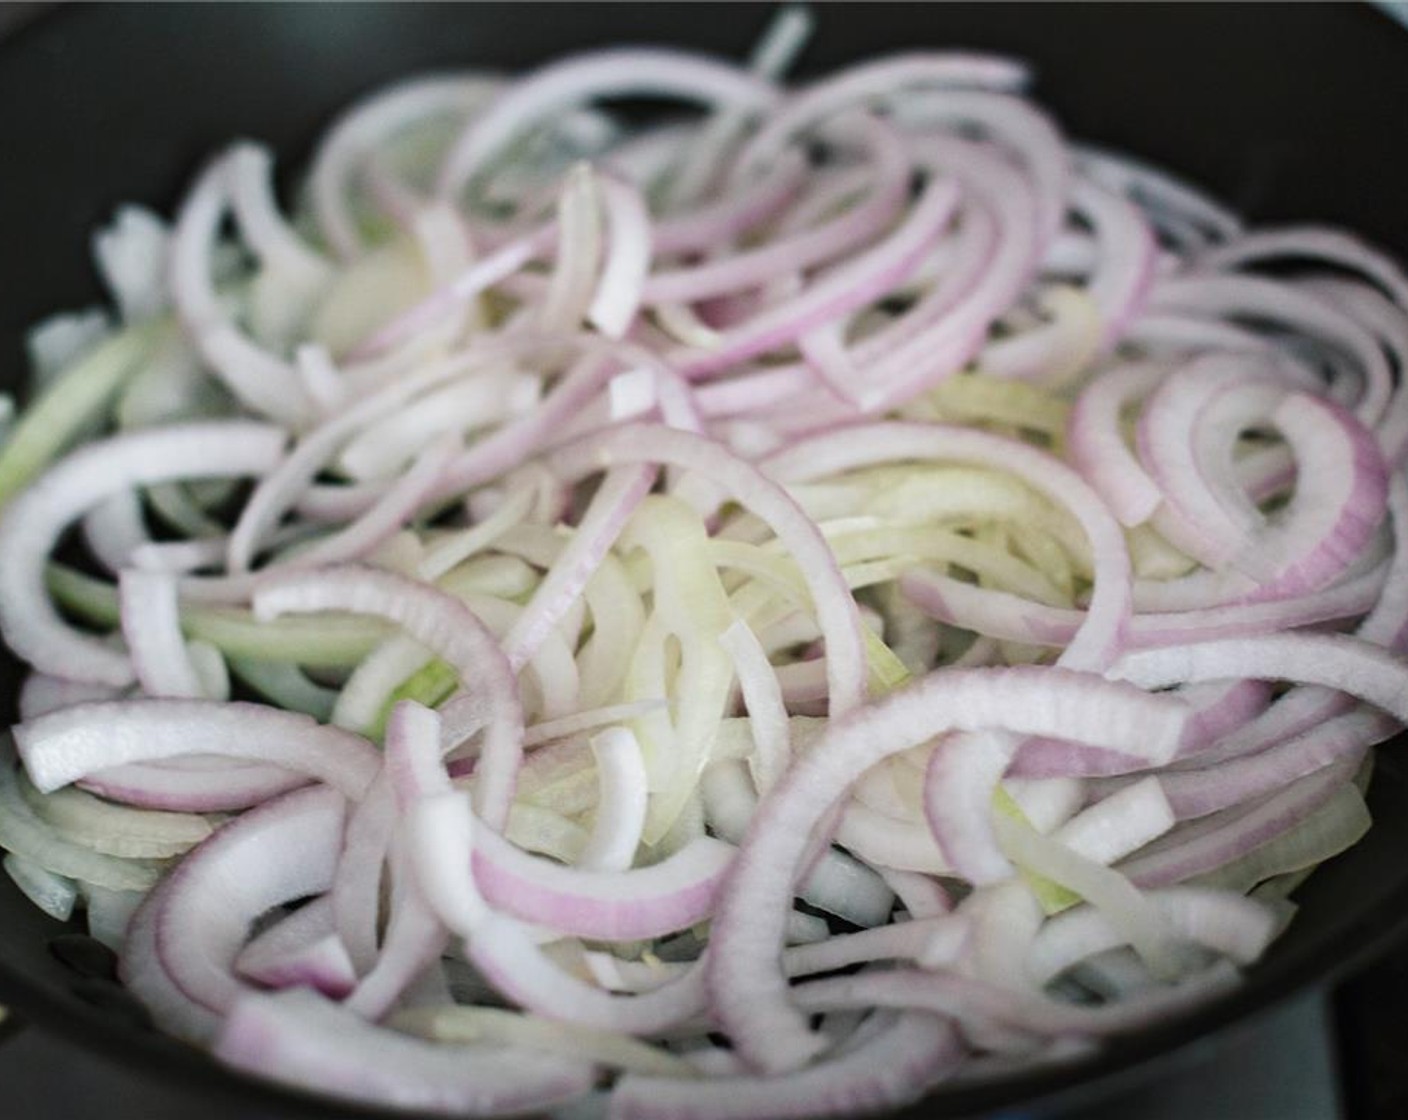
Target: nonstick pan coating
1288	112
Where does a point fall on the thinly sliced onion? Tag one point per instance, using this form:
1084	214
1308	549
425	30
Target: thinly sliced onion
444	625
894	1068
303	1039
695	510
74	743
211	900
746	991
27	835
53	894
32	523
302	949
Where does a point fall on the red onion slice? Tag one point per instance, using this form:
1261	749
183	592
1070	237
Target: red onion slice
835	608
302	1039
811	675
31	525
602	74
213	897
67	745
443	624
748	993
892	1069
301	950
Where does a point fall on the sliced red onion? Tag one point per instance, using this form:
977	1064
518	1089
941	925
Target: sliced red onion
762	696
41	694
25	833
864	445
302	1039
1195	793
517	442
1332	246
627	265
265	383
1205	513
1097	446
364	127
621	803
503	950
117	830
963	773
142	972
834	606
65	746
1337	661
604	905
274	241
1026	130
1220	294
1128	252
415	940
226	784
953	324
1390	327
356	886
836	882
1159	191
1333	515
864	240
438	834
734	215
444	625
283	485
453	296
1206	844
601	74
215	894
1272	870
748	994
1238	928
552	671
387	515
475	399
114	530
151	624
494	1026
813	246
301	950
858	85
999	614
32	523
771	57
974	1003
894	1068
611	507
850	286
573	280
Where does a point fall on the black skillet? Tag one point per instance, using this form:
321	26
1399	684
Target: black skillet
1286	111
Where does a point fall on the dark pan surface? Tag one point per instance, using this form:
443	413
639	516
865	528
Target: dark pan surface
1285	111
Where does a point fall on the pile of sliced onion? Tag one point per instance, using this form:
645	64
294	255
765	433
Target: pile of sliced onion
828	593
